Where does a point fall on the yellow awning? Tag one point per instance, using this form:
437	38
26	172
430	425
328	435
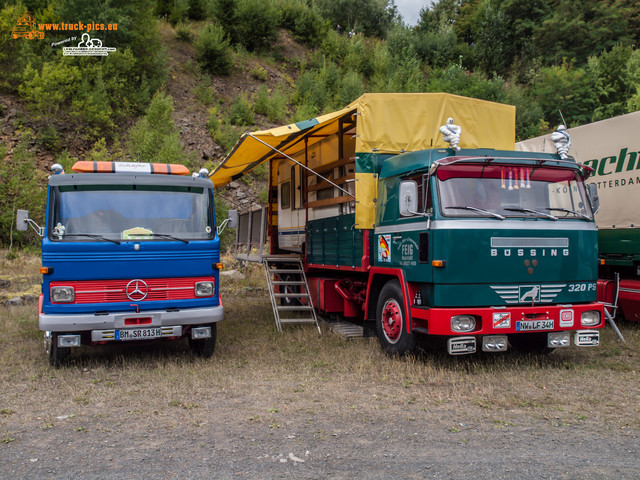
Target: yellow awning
386	122
248	152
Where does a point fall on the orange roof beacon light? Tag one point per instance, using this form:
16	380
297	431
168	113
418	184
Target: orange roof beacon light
130	167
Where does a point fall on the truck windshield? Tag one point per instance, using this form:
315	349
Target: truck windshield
130	212
500	191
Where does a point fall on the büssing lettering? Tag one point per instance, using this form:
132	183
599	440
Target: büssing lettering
533	252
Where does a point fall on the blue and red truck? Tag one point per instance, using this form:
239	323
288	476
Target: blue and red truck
130	253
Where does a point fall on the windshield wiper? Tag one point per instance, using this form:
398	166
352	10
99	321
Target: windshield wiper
92	235
480	210
567	210
161	235
528	210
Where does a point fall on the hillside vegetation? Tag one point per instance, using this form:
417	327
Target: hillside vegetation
189	76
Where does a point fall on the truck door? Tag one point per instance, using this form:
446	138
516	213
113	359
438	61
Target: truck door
291	216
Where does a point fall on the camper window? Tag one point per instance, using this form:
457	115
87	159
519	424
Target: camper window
285	196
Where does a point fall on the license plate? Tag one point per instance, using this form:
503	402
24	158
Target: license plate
138	333
527	325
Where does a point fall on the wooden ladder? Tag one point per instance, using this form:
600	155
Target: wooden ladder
286	273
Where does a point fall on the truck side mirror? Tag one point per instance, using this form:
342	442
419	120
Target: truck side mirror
408	198
22	224
23	221
594	198
233	219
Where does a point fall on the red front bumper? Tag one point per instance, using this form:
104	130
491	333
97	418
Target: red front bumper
507	320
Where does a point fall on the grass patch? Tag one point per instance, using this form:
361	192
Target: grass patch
263	376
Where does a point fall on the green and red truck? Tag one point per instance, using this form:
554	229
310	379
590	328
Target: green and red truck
470	243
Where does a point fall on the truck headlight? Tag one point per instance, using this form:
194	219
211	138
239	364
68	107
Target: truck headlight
590	318
463	323
62	294
204	289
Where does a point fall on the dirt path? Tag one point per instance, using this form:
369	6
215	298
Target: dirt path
296	405
334	446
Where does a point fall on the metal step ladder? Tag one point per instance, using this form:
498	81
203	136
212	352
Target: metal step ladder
293	299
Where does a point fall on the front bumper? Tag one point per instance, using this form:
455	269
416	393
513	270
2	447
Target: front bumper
505	320
109	321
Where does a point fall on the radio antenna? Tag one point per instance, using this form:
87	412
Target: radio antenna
562	117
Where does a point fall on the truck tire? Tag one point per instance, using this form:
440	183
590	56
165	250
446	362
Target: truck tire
204	347
391	323
58	356
290	301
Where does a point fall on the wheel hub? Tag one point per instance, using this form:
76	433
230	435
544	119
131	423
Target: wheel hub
392	320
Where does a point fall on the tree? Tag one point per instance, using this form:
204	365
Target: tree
154	137
373	18
613	82
566	88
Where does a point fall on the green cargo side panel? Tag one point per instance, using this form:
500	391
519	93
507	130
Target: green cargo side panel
334	241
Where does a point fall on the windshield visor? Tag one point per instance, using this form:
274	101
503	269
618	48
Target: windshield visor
503	191
131	212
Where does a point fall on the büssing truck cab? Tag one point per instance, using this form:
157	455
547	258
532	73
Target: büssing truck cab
129	253
466	242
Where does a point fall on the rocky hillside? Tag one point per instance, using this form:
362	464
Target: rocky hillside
197	97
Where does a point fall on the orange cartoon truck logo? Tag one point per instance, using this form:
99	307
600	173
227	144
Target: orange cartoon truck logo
26	28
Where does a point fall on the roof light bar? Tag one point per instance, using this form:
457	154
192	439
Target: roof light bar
130	167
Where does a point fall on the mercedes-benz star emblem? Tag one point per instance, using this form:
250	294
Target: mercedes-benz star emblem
137	290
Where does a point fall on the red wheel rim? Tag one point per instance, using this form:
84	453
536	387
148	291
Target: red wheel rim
392	320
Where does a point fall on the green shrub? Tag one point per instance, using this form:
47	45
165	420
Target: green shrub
310	90
241	112
309	27
178	12
290	11
47	92
567	88
21	187
304	112
184	33
351	87
256	24
196	10
335	46
154	137
260	73
212	50
223	133
272	104
203	91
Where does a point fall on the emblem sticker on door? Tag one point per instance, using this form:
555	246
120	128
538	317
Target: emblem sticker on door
384	252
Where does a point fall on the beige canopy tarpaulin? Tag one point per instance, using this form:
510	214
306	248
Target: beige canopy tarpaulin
385	123
612	149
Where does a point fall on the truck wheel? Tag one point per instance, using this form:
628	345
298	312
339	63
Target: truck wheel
58	356
391	322
204	347
290	301
532	343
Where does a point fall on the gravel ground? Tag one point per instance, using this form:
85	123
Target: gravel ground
348	445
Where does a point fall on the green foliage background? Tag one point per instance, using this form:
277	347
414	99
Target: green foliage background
543	56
